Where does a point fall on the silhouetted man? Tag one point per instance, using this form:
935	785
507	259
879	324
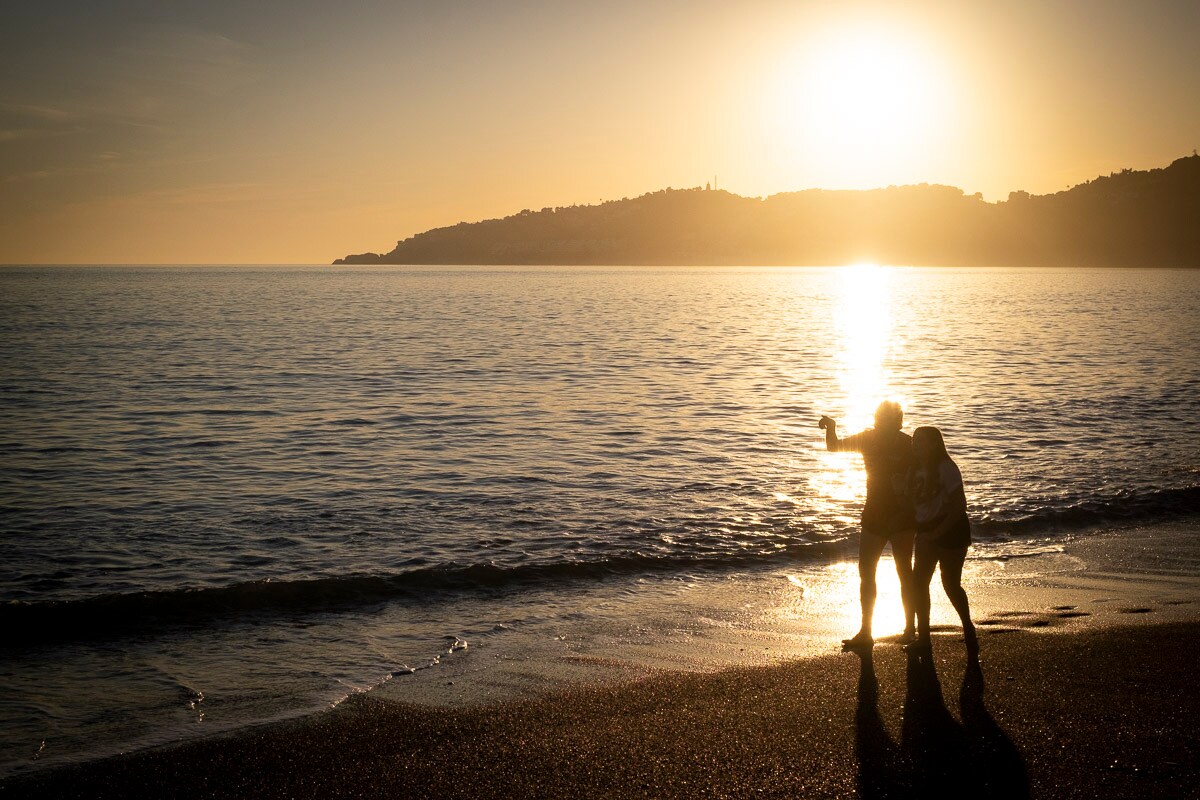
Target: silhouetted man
888	514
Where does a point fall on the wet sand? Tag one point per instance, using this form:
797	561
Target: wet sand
1086	712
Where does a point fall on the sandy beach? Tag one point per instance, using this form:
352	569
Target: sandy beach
1085	688
1092	712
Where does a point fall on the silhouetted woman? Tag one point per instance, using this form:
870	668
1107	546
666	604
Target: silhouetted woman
943	532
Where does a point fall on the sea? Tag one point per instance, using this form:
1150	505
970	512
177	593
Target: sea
231	495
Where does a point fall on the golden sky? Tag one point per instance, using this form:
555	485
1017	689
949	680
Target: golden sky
297	132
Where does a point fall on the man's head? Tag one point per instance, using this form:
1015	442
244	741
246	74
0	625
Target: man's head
889	416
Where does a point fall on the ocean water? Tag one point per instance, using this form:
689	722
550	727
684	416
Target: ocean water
233	494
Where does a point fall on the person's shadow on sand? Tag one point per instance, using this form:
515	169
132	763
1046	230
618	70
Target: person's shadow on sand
999	765
934	742
936	756
881	769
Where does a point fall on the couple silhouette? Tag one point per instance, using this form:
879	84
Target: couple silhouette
915	501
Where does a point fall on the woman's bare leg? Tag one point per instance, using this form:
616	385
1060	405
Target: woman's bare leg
952	567
926	563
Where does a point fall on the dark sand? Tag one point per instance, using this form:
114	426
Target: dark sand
1093	713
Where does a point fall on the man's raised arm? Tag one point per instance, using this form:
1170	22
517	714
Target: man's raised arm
833	443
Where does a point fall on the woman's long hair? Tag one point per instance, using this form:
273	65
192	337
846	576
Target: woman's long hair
931	481
937	443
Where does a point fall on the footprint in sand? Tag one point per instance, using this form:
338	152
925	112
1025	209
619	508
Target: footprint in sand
1066	612
1138	610
992	631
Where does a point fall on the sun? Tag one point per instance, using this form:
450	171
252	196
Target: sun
865	85
859	101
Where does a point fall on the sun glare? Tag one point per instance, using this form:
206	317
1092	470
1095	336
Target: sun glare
859	101
862	317
830	598
864	325
857	87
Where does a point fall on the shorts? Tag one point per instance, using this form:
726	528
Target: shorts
885	522
958	536
930	554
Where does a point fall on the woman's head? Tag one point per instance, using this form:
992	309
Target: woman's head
928	445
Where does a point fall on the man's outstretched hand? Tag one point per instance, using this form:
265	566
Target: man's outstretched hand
827	423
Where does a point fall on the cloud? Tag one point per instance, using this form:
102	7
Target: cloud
49	113
202	60
230	192
11	135
97	163
144	82
27	122
116	105
167	70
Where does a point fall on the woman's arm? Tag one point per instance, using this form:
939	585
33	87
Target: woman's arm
953	506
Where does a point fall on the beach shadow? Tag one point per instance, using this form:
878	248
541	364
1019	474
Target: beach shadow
931	738
881	771
937	756
1000	769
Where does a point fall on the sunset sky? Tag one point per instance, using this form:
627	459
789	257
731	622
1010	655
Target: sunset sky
296	132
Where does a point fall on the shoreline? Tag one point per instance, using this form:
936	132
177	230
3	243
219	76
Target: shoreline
1125	577
1028	724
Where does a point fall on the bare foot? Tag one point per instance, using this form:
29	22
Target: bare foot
861	641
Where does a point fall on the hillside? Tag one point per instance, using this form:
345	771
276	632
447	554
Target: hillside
1130	218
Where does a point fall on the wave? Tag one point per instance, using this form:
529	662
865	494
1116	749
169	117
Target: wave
146	611
1128	505
134	612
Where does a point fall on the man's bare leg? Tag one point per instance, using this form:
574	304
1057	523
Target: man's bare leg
870	547
902	552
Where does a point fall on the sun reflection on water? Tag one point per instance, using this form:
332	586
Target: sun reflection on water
832	598
827	599
843	596
864	325
863	321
